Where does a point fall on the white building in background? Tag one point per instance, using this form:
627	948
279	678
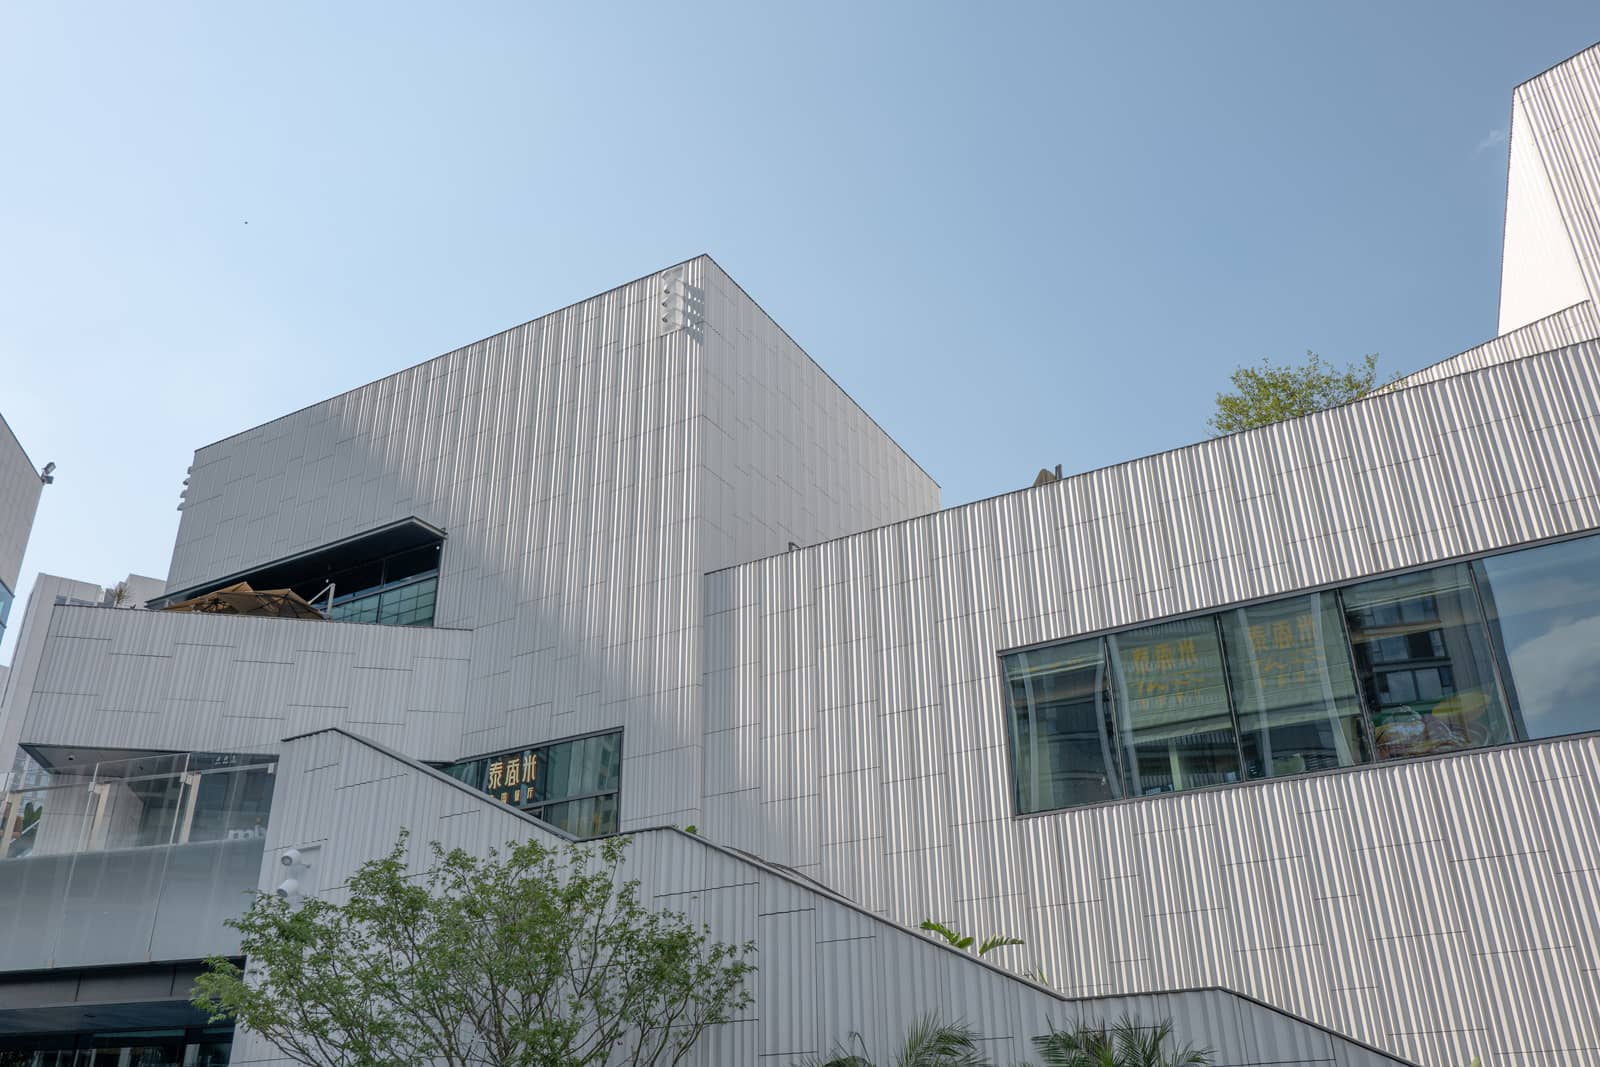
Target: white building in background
1290	735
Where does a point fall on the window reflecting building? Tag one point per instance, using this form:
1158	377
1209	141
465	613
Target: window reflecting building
1411	665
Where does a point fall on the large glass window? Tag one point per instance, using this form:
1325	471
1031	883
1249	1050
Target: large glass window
574	785
408	604
5	607
1423	656
1289	667
388	577
1545	604
1172	699
1062	726
1456	657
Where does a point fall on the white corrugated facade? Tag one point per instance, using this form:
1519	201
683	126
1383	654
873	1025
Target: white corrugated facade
19	499
660	516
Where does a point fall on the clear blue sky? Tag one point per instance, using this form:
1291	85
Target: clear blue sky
1018	234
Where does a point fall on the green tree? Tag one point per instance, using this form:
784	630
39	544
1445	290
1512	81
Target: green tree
531	956
1270	393
929	1043
1126	1044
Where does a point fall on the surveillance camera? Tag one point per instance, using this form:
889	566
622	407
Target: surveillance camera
289	887
290	858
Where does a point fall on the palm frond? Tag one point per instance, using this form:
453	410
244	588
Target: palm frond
998	941
931	1043
954	937
1084	1046
841	1056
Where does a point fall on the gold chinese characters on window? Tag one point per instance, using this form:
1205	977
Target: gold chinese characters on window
512	774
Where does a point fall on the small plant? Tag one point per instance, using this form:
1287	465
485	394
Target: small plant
965	942
929	1043
1126	1044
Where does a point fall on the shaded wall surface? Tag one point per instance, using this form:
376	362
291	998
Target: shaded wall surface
163	902
19	500
827	968
116	679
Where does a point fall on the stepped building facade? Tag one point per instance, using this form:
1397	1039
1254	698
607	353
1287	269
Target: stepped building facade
1292	736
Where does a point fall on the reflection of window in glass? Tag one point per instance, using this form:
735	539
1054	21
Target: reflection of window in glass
589	817
1293	687
470	772
232	804
1172	704
1546	604
1063	752
1424	660
410	604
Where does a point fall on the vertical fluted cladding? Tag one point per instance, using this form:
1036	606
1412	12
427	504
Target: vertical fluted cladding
827	969
110	678
561	458
1563	108
19	500
586	467
1570	326
1357	898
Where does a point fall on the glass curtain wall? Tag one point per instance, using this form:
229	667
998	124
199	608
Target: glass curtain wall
1062	730
1426	668
194	1047
1293	687
1174	722
1544	604
397	590
574	785
1434	661
144	801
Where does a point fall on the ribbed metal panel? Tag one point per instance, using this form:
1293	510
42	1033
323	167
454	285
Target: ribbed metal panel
826	968
1559	111
587	467
1441	910
1571	326
109	678
19	499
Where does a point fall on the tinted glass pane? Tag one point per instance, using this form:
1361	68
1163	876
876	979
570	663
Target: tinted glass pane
5	606
1547	603
1423	659
470	772
1172	706
590	817
231	805
1293	687
408	564
1062	747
